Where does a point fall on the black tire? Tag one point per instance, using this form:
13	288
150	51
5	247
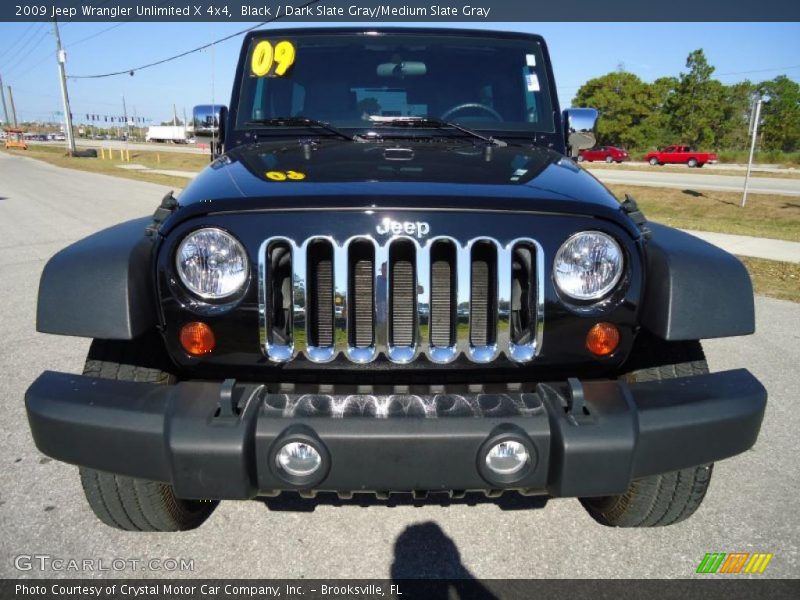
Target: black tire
580	158
653	161
670	497
692	163
125	502
609	160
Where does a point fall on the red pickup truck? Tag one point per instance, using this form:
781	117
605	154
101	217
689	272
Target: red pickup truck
680	154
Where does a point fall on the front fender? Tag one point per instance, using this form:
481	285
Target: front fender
100	286
694	289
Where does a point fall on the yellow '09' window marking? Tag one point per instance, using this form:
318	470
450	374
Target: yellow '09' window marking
266	56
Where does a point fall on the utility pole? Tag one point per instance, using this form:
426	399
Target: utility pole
13	108
752	149
174	116
127	123
5	108
61	55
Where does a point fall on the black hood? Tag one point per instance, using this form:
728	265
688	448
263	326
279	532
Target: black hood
431	173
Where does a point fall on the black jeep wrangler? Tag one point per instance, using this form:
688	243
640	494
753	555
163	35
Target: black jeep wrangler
393	278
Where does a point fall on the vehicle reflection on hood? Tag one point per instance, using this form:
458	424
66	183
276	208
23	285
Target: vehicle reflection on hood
433	160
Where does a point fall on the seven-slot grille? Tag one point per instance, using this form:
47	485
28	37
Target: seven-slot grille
403	298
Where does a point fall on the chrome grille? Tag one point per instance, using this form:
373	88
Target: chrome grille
402	299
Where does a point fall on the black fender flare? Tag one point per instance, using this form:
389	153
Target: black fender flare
101	286
694	290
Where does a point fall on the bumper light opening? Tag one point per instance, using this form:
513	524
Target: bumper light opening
298	459
507	457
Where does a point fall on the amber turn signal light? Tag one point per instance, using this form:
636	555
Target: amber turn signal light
602	339
197	338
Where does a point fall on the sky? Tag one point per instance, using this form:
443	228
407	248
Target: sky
579	51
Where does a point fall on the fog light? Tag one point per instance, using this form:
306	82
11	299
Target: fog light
298	459
197	338
602	339
507	457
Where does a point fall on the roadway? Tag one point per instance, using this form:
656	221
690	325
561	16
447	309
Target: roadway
753	503
693	180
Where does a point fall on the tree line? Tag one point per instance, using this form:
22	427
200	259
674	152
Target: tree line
693	108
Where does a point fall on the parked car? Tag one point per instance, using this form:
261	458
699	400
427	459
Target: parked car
607	154
352	300
678	154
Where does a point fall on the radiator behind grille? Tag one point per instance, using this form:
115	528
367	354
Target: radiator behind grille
403	299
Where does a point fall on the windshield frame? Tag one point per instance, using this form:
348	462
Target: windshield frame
549	134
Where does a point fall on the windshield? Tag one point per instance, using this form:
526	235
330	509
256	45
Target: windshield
360	80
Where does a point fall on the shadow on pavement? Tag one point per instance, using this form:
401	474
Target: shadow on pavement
291	501
427	564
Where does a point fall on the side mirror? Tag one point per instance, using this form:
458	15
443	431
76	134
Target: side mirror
208	121
580	129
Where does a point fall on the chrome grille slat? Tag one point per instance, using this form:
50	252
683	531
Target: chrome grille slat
423	271
341	298
299	305
504	267
367	292
463	304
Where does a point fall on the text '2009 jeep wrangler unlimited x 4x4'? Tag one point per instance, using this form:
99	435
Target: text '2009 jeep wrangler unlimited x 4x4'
393	279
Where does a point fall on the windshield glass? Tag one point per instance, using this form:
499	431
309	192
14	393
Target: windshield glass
358	80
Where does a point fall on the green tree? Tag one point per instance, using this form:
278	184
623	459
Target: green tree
780	114
731	131
656	130
625	103
695	109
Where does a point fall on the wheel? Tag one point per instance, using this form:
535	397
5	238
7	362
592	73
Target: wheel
653	161
609	160
670	497
692	162
125	502
581	158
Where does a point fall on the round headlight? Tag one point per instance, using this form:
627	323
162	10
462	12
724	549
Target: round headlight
588	265
211	263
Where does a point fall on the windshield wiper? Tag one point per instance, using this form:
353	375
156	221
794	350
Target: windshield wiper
434	122
302	122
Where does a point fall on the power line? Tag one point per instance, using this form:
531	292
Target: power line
41	32
131	71
17	41
760	70
101	32
94	35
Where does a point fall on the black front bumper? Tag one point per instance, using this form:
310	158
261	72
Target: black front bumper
218	440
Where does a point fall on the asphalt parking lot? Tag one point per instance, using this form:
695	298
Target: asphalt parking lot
753	504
